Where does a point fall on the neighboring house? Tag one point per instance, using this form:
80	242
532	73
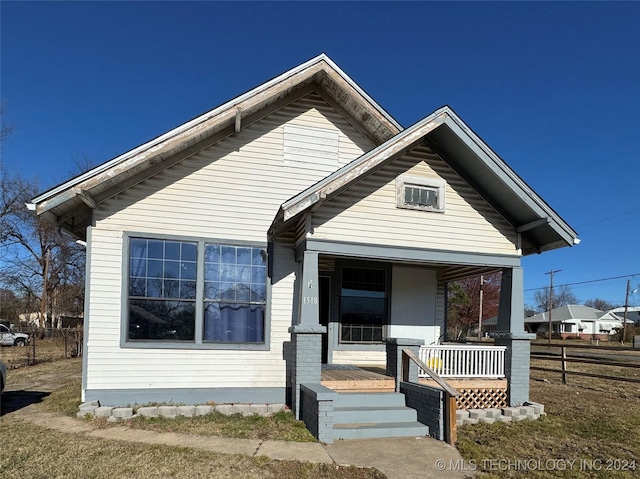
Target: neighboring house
297	224
633	313
577	321
491	324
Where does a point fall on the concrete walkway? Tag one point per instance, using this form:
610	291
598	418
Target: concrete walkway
401	458
397	458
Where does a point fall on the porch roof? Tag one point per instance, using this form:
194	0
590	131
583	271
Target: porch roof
445	133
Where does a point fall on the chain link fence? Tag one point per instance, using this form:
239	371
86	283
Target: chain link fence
50	344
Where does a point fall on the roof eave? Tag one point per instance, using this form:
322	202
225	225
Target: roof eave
445	117
44	201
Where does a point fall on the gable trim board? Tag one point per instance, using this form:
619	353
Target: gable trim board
527	212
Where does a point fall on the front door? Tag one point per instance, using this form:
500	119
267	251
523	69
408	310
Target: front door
325	309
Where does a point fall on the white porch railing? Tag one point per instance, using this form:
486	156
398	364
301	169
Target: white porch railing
464	360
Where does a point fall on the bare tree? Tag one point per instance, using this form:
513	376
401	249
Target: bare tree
38	261
601	304
562	295
12	197
464	301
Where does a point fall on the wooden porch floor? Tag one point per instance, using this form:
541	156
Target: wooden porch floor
347	378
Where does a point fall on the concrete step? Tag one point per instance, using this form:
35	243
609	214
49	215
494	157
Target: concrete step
373	414
369	400
377	430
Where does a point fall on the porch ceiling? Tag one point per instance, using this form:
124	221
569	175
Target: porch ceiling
447	272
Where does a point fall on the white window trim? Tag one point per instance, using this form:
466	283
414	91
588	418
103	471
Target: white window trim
407	180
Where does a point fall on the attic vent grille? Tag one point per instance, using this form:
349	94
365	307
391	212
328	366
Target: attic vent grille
417	195
420	193
315	148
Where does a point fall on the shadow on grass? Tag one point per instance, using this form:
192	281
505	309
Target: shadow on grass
14	400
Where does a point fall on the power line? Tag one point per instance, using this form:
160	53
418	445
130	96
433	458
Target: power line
585	282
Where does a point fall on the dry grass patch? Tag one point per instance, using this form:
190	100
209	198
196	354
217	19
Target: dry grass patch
30	451
280	426
66	400
56	371
590	421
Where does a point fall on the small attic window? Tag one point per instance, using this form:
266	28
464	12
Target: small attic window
417	193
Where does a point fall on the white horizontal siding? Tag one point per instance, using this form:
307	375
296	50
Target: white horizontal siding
231	191
113	367
468	223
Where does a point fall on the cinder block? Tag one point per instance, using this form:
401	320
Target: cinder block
203	410
477	413
113	419
462	414
226	409
537	408
88	408
103	411
511	411
519	418
493	412
148	411
274	408
244	409
471	421
168	411
260	409
122	412
526	410
504	419
488	420
187	411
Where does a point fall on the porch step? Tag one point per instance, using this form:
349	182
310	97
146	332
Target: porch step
368	431
374	415
343	415
391	399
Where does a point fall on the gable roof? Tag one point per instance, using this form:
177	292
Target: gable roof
445	133
571	312
68	204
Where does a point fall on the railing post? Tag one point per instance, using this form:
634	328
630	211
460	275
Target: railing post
451	422
564	364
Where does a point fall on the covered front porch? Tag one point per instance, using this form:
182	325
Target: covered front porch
348	320
476	371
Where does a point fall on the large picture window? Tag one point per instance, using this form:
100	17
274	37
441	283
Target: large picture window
235	293
363	305
196	292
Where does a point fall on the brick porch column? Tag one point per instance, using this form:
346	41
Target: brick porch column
306	336
394	358
510	333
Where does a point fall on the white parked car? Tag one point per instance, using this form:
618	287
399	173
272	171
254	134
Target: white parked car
9	338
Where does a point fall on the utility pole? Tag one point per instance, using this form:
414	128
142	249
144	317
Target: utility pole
626	308
550	273
480	314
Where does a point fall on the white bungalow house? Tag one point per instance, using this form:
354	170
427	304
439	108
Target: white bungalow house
577	321
295	225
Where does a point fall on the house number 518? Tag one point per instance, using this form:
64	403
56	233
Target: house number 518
310	300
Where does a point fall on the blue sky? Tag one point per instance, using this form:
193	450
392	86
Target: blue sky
553	88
